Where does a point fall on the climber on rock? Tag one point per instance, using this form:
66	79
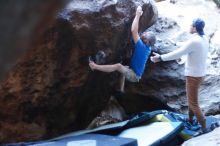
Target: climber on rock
143	44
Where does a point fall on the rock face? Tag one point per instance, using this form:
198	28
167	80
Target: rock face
167	79
172	29
104	25
51	90
21	24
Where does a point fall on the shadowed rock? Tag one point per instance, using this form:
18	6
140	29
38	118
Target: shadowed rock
52	87
113	113
21	25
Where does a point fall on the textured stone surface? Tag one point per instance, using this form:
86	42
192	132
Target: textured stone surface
172	29
22	22
51	90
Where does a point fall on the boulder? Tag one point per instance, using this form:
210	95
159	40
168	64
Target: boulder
51	90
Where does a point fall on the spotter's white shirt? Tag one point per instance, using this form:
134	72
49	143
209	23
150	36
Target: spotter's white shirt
196	50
